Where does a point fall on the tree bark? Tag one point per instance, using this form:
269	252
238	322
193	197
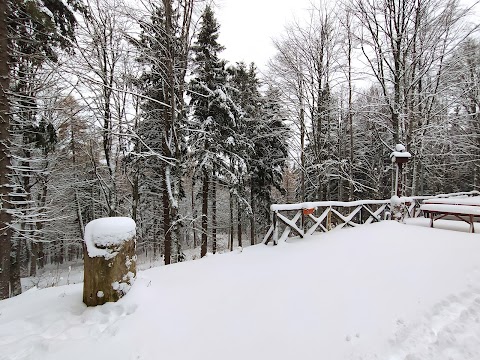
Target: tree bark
203	250
5	217
350	104
252	218
15	256
214	217
194	215
239	224
230	242
166	222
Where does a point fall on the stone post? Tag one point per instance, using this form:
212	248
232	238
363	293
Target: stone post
109	259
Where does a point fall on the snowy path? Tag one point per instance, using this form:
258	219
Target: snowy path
450	331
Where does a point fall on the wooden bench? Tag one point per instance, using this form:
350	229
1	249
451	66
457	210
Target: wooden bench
465	209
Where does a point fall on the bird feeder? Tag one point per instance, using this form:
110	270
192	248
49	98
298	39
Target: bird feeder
400	156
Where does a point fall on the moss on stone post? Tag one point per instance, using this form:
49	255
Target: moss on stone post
109	261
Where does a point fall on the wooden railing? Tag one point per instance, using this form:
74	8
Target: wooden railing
304	219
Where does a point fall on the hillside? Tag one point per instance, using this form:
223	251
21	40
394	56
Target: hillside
381	291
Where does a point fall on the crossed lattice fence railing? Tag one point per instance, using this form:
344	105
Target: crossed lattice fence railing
304	219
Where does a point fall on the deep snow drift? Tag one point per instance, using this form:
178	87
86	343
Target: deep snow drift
380	291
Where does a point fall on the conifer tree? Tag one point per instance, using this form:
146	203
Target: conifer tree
271	136
214	114
163	51
260	141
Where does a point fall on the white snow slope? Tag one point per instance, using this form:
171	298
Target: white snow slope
380	291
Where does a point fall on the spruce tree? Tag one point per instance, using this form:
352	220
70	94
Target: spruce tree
244	87
163	52
271	137
261	144
214	114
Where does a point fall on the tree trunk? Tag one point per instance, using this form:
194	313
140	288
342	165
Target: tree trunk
33	259
61	252
239	224
230	242
302	149
252	219
166	223
194	216
203	250
15	255
41	256
350	106
214	217
5	217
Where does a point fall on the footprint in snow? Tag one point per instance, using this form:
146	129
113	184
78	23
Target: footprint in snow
449	331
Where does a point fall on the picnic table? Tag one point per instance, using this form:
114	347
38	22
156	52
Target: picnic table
462	208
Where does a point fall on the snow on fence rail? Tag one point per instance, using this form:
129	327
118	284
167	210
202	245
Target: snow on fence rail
326	215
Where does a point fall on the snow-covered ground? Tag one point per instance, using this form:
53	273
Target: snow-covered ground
383	291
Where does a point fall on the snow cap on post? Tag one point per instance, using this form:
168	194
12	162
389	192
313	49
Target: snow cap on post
104	235
400	155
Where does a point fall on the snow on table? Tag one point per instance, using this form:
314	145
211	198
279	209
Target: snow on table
469	201
451	209
383	291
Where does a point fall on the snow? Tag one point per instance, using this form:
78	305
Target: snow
474	200
382	291
230	140
101	235
208	121
395	201
398	154
46	11
316	204
454	209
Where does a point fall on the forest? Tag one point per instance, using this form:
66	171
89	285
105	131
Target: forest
117	108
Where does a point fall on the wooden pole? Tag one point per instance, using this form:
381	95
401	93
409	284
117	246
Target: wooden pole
275	228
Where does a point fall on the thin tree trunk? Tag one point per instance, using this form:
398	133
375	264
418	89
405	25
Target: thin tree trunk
239	225
302	150
41	256
135	194
230	243
194	215
203	250
15	256
350	107
61	252
5	217
214	217
33	259
167	231
252	218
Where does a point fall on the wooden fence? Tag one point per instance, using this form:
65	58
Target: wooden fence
304	219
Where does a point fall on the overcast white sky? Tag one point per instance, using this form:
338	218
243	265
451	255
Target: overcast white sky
247	26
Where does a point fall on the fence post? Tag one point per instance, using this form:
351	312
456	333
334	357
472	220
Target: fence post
275	228
329	219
